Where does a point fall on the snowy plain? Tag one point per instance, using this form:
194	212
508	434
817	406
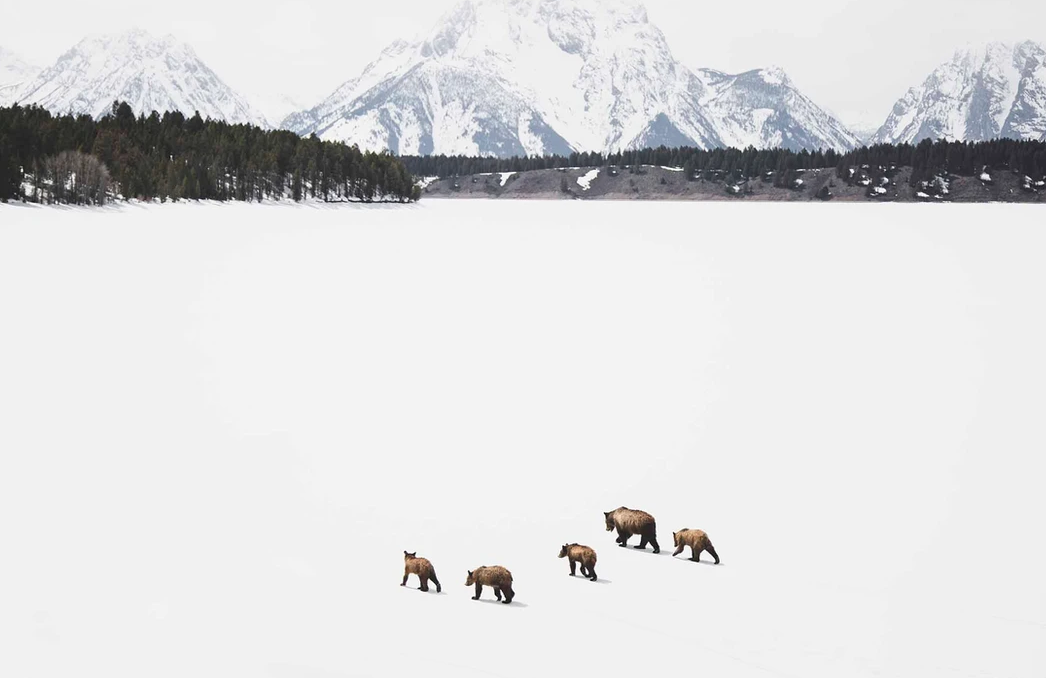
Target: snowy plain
223	424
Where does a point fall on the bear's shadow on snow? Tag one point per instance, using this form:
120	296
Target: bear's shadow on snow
648	551
693	562
492	601
683	558
589	581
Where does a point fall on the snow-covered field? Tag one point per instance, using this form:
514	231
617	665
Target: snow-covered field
222	425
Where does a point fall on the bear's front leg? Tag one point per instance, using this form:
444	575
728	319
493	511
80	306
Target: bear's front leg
479	591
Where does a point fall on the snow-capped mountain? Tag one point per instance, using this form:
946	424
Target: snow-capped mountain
762	108
14	73
994	91
150	74
507	77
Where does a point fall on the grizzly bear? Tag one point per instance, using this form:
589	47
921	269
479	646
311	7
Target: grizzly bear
628	522
580	554
495	577
412	564
697	540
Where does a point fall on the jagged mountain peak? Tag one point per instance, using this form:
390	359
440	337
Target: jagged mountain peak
148	72
552	75
763	108
984	91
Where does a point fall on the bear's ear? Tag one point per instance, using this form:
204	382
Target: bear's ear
405	553
470	573
413	555
606	513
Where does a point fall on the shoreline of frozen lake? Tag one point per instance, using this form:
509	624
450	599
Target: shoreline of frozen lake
223	424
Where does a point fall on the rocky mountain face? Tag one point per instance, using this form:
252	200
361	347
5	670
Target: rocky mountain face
15	72
983	93
530	77
504	77
762	108
150	74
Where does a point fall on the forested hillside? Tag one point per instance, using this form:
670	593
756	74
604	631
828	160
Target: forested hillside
926	159
170	156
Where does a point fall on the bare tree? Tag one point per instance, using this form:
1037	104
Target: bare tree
75	178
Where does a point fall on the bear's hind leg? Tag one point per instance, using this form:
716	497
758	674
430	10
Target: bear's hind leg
497	593
592	573
653	542
439	589
711	551
643	540
509	594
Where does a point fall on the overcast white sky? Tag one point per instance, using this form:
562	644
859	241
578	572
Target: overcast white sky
854	57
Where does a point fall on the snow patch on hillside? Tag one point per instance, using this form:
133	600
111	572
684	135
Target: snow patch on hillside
585	182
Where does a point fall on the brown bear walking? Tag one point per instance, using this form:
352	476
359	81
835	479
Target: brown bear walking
697	540
495	577
412	564
628	522
580	554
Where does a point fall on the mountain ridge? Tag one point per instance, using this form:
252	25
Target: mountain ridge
15	72
983	92
597	78
149	73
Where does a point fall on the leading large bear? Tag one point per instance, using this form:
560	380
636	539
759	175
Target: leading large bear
628	522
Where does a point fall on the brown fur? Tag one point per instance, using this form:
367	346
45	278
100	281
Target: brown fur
422	568
697	540
628	522
496	577
580	554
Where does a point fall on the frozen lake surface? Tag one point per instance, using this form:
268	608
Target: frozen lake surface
222	425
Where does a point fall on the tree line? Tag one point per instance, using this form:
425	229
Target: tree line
171	157
927	159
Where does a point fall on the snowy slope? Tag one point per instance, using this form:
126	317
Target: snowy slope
223	425
496	76
273	105
15	72
982	93
150	74
763	108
